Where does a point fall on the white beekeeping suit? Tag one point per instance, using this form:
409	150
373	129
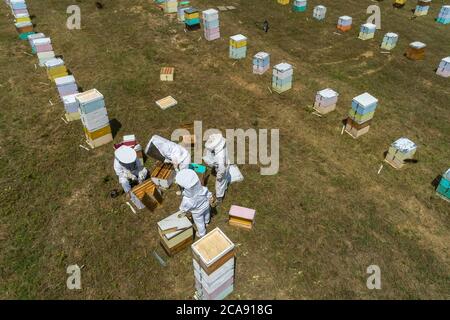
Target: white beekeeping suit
217	158
196	199
128	167
168	151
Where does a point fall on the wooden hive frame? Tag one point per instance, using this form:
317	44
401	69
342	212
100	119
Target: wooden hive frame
148	194
213	250
163	174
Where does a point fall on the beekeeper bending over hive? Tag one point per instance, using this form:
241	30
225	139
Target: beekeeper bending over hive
196	199
168	151
128	167
217	158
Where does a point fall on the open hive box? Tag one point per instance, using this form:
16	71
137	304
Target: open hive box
146	195
163	174
213	266
176	233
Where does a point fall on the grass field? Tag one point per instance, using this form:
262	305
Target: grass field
320	222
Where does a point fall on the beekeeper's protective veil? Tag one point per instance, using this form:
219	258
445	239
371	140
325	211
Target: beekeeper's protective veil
168	151
128	167
217	157
195	198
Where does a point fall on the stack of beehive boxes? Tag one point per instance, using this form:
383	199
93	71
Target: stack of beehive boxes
175	233
66	85
344	23
23	23
213	260
94	118
326	101
44	50
444	15
71	107
399	3
367	31
241	217
211	24
192	19
238	46
400	152
282	76
422	8
416	51
283	2
299	5
55	69
319	12
361	114
390	40
180	12
18	7
32	38
170	6
261	62
443	188
166	74
444	68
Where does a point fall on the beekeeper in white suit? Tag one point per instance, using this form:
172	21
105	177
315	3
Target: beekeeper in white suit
168	151
196	199
217	158
128	167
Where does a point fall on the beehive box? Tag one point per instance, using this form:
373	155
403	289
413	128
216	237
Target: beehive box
163	174
213	250
176	233
147	195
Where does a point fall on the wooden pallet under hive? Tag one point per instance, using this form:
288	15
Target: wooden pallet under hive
163	174
148	194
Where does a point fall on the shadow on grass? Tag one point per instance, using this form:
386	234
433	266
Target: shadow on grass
435	182
115	126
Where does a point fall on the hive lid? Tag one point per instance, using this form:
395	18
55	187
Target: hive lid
328	93
404	145
365	99
241	212
446	60
212	247
70	98
345	18
89	96
64	80
391	35
210	12
174	222
369	25
417	45
54	62
283	67
190	10
261	55
238	37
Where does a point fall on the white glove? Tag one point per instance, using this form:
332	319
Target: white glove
142	175
131	176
